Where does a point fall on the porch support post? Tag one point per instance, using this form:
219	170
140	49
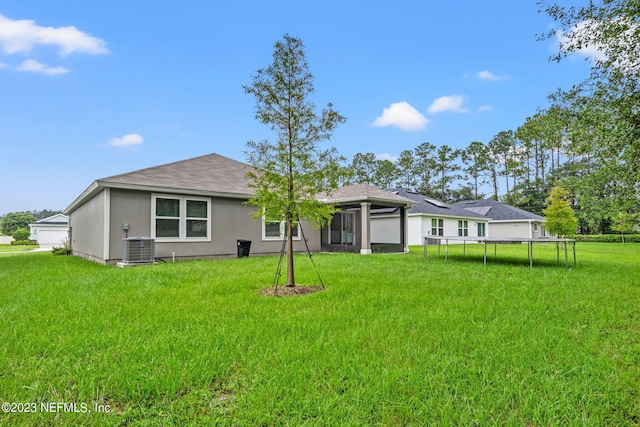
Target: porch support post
365	211
404	228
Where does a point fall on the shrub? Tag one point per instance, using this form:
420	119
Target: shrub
21	234
24	242
606	238
59	251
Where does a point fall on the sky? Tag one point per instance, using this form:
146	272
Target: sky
94	89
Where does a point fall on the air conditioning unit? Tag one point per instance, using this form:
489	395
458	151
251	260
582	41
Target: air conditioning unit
137	250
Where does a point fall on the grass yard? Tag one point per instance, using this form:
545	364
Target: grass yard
4	249
393	341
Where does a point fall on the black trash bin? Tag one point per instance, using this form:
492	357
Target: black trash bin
243	248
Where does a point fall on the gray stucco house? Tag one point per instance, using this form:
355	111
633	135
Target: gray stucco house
195	209
505	220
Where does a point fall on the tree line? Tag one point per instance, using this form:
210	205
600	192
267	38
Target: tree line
587	141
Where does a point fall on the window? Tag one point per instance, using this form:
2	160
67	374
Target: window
481	229
181	218
463	228
275	229
437	227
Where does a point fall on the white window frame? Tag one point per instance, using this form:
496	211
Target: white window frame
463	228
483	226
182	219
283	225
439	228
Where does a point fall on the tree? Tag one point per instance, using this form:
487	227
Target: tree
605	126
445	166
425	167
21	234
290	172
559	216
386	174
407	170
15	220
363	167
475	159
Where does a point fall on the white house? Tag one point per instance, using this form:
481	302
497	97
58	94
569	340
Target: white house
51	231
505	220
427	217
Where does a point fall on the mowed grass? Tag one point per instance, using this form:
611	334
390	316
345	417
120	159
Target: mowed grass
394	340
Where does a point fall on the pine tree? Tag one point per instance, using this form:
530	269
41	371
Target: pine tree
560	218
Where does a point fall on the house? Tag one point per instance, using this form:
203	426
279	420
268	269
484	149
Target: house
51	231
429	217
195	208
505	220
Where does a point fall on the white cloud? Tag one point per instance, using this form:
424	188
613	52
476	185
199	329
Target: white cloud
591	51
485	108
128	140
33	66
3	65
387	156
20	36
403	116
451	103
488	75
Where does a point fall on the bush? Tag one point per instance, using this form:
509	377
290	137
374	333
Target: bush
606	238
21	234
25	242
59	251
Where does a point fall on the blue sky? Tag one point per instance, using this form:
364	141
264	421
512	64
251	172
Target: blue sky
94	89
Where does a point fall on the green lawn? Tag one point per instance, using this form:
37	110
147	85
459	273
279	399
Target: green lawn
393	340
16	248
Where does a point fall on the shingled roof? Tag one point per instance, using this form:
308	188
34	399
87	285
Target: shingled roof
359	193
497	211
211	174
430	206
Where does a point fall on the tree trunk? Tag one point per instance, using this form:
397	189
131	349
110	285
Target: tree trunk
290	275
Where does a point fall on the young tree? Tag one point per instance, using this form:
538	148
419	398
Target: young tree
559	216
290	172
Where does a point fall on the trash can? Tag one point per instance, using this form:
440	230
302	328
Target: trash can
243	248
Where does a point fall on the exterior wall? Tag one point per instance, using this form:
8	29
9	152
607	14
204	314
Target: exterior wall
511	229
87	228
420	227
230	220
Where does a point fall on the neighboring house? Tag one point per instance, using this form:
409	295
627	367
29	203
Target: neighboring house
51	231
505	220
429	217
193	208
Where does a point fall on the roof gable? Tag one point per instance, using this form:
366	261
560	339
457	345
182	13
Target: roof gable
359	193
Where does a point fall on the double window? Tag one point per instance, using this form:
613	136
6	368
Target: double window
463	228
181	218
437	227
